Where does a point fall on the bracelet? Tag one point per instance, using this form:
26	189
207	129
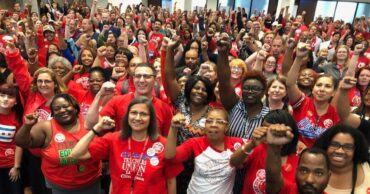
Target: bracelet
95	132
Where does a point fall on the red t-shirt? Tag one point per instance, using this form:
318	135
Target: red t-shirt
44	113
83	97
119	85
354	97
116	108
106	64
255	178
59	168
146	164
238	89
311	125
279	64
156	37
8	127
82	80
299	31
43	45
363	62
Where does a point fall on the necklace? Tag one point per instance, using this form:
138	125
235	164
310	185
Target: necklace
138	165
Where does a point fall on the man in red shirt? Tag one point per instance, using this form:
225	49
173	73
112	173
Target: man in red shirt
144	80
155	35
312	174
44	39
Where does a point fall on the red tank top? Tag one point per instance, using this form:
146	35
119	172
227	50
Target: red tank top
59	168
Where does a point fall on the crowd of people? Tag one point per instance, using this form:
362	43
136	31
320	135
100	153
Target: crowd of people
143	100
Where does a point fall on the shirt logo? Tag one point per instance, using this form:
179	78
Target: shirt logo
259	184
59	137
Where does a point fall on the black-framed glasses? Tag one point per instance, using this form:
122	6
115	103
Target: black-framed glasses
347	147
252	88
145	76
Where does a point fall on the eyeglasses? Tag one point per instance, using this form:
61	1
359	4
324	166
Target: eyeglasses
145	76
236	69
252	88
347	147
137	113
40	81
217	121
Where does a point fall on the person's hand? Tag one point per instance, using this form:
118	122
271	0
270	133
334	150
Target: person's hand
358	49
223	46
31	118
187	71
77	69
21	36
259	135
105	28
204	45
178	121
118	72
295	26
266	47
302	49
347	83
14	174
172	45
32	53
261	55
102	51
291	43
279	134
108	88
10	46
105	123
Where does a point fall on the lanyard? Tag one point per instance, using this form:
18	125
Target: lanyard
140	158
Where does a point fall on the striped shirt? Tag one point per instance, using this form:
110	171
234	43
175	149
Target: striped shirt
240	124
243	126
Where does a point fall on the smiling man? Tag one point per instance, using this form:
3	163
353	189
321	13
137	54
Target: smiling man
144	81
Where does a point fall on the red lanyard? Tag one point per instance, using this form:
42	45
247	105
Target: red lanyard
140	158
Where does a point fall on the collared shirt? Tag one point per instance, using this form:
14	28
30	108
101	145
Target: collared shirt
241	125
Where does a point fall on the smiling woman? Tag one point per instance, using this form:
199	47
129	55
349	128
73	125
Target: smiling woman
135	154
348	155
211	153
56	138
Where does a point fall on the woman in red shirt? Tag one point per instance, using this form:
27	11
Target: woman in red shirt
56	138
253	155
136	153
313	115
11	112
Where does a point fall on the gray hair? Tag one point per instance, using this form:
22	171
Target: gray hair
63	60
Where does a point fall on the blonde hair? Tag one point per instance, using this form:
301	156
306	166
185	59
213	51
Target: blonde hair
335	56
59	85
239	63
